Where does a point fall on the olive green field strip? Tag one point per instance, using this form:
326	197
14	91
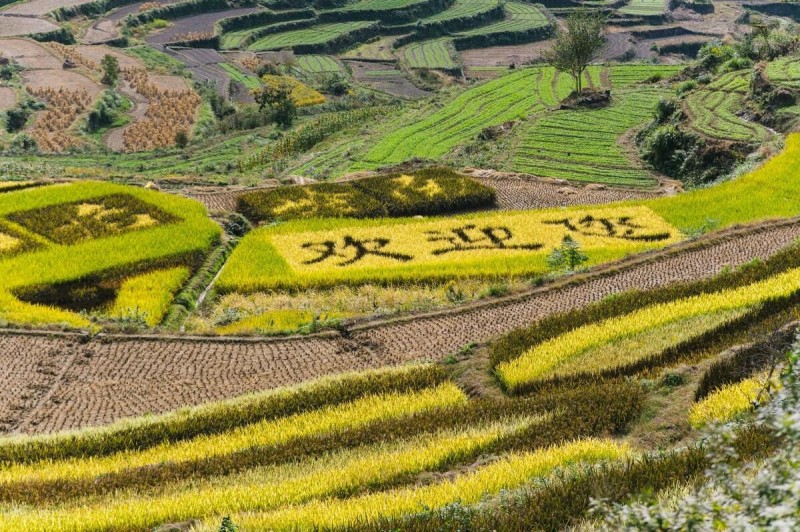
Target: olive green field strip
314	35
379	5
784	71
511	97
644	8
318	64
562	145
519	18
121	376
250	81
436	54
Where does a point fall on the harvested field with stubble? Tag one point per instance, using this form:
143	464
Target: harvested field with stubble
385	77
30	54
12	26
102	380
203	23
8	98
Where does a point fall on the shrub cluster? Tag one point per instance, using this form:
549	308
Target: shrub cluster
425	192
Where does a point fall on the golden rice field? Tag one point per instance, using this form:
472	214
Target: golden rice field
314	253
142	244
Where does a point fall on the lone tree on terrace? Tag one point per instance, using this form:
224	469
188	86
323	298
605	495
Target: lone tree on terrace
278	98
577	44
568	256
110	70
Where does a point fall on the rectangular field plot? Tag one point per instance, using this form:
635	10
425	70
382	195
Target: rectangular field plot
318	64
436	54
644	8
328	252
69	223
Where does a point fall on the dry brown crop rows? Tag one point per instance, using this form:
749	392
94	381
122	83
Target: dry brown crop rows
169	111
64	106
69	384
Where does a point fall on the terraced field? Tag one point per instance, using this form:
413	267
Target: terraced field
436	54
462	119
520	17
713	111
644	8
236	74
315	35
318	64
515	96
785	71
560	145
462	9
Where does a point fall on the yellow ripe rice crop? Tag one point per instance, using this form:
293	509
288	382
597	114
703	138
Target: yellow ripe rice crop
281	320
274	487
324	252
509	472
544	359
302	94
143	226
149	295
270	432
642	346
730	401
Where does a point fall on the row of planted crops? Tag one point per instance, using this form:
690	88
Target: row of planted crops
407	448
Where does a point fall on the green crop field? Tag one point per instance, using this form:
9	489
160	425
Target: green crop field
436	54
644	8
519	17
380	5
248	80
321	34
462	9
318	64
562	144
785	71
713	113
511	97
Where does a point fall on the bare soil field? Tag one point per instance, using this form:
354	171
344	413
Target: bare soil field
8	98
517	192
39	8
56	382
13	26
518	54
196	24
60	79
30	54
385	77
96	54
100	32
